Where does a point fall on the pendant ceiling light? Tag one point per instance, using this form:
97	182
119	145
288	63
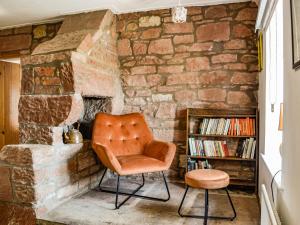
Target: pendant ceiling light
179	14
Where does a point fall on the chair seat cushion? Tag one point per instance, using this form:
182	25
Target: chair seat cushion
134	164
207	179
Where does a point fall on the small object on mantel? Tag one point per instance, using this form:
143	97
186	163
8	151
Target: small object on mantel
73	136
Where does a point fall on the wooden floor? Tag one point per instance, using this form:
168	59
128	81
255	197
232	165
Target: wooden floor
94	208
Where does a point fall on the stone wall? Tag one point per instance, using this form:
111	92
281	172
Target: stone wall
22	40
208	62
37	178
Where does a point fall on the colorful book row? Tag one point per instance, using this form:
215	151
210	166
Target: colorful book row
233	126
208	148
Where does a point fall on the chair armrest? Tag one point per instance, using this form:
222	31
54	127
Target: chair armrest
107	158
163	151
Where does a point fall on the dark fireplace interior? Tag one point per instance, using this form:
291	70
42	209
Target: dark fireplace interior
92	105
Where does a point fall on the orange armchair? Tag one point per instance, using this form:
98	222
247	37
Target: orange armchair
125	145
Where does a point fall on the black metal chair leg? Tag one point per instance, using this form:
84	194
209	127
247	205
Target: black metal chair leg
231	203
99	185
206	207
133	194
117	193
166	184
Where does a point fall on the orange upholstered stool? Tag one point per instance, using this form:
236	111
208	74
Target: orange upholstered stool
207	179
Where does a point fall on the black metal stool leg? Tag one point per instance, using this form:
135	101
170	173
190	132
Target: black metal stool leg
206	207
179	209
231	203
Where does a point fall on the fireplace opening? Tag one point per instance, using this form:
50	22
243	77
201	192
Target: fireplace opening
92	106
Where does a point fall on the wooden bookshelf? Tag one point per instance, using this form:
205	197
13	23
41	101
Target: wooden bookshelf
243	171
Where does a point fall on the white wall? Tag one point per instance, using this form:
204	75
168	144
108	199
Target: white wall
289	200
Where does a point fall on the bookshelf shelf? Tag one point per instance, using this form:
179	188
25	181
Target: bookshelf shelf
222	158
243	171
223	136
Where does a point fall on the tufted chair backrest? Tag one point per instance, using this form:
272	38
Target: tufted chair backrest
122	134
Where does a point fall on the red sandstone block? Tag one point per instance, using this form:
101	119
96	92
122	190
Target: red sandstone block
241	31
32	110
15	42
199	47
124	48
154	79
212	94
183	39
6	32
23	30
197	64
16	155
51	81
143	70
170	69
151	33
11	213
168	88
185	96
150	60
174	28
247	14
5	185
235	66
183	78
194	10
213	12
178	58
27	83
161	46
197	17
139	48
224	58
39	59
143	93
166	110
253	68
238	98
44	71
120	26
22	176
24	194
136	81
244	78
213	32
218	77
182	48
249	59
235	44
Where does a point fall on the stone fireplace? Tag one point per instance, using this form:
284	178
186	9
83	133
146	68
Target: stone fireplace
81	60
92	105
65	80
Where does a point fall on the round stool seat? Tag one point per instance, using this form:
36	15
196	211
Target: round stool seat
207	179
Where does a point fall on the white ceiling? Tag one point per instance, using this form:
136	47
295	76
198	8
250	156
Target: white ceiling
22	12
